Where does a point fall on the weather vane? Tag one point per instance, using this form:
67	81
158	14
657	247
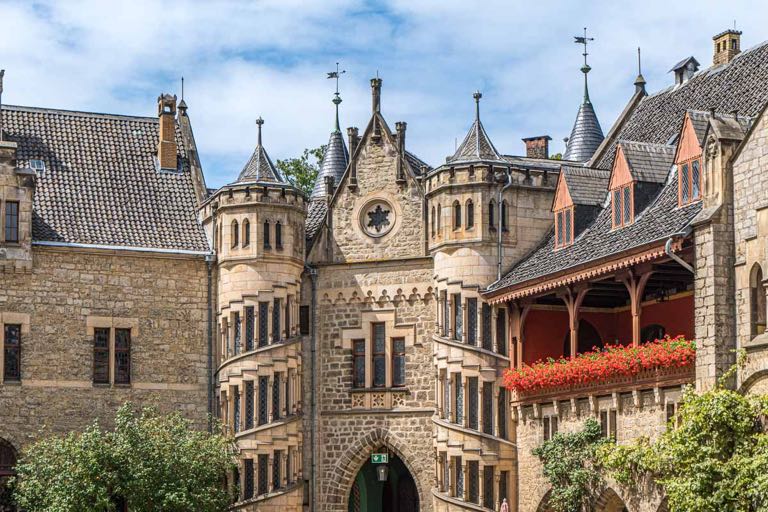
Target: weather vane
585	68
336	74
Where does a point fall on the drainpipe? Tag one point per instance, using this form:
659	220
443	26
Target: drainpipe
313	379
209	260
499	249
678	259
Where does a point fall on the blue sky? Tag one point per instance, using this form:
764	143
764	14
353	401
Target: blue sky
242	60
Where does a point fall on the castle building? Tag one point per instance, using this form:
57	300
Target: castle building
353	341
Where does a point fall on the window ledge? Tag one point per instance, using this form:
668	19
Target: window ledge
401	389
459	502
466	430
12	383
258	350
473	348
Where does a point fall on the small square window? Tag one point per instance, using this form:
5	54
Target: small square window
38	166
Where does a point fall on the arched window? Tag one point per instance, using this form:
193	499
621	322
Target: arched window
266	235
492	216
7	459
504	215
757	300
439	213
278	235
246	233
235	234
652	332
432	224
470	213
456	215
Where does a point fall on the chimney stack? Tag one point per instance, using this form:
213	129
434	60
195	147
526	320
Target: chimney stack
166	148
376	94
727	46
354	140
400	128
537	147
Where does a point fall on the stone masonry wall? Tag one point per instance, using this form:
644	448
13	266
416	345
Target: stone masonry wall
166	297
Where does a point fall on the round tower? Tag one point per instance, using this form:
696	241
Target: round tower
257	228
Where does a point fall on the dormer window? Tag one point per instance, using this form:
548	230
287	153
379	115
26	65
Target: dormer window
564	227
689	181
38	166
622	202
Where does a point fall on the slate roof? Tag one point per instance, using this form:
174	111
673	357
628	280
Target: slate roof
586	186
655	224
260	167
739	85
586	134
417	163
648	162
102	185
315	217
476	144
334	163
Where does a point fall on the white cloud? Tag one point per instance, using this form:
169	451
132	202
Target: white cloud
268	58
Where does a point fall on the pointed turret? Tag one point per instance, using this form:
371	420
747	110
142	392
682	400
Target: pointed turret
586	134
260	166
335	159
476	145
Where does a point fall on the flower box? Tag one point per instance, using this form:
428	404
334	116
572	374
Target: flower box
615	364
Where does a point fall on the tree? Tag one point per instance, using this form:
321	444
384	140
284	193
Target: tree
302	172
149	462
712	458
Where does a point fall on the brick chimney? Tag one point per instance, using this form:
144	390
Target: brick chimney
166	148
537	147
727	46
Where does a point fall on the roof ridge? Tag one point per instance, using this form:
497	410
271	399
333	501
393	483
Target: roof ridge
77	113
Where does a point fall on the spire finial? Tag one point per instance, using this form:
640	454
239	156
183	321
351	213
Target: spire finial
182	88
259	122
585	68
639	81
477	95
336	98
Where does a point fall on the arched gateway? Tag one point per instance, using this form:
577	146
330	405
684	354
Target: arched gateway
384	487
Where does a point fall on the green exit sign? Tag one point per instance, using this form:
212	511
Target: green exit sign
379	458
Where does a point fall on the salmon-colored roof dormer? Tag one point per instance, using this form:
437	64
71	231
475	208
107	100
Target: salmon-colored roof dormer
563	197
689	145
620	174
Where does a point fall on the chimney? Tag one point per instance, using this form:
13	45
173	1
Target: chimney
352	137
537	147
376	94
685	69
727	46
354	140
166	148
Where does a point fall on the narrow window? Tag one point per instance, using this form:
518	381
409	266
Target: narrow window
446	472
263	474
488	497
458	318
446	313
276	478
488	407
503	486
487	334
459	472
446	380
685	181
432	223
568	228
757	301
472	399
288	399
235	233
695	180
550	427
358	363
248	479
398	362
263	393
278	235
502	413
12	353
627	206
303	320
492	216
439	213
276	397
246	233
617	207
504	215
473	481
470	214
459	398
236	397
379	355
560	229
501	330
250	327
456	215
471	321
11	221
122	356
266	235
288	307
101	356
276	321
608	423
236	324
250	402
263	323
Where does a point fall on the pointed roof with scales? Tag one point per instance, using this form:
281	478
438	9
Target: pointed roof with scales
335	159
260	167
476	145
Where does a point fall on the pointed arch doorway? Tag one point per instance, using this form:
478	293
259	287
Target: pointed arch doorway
397	494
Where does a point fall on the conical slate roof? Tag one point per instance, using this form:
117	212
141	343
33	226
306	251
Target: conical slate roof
260	167
476	145
334	163
586	135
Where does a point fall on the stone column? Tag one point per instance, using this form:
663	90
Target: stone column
465	401
635	285
573	297
270	479
480	480
270	412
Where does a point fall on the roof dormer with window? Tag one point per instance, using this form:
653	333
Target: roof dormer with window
578	197
622	190
688	162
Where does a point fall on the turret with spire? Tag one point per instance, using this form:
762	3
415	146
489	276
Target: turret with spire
476	145
260	167
586	134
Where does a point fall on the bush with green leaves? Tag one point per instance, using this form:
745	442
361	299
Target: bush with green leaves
302	172
151	461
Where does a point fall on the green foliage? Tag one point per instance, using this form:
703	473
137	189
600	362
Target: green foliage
716	459
156	463
556	156
302	172
569	467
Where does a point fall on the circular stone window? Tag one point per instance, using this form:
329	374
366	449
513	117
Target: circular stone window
377	218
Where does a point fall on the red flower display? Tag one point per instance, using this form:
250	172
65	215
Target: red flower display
601	365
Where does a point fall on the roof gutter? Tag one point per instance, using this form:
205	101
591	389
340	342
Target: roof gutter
668	249
121	248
